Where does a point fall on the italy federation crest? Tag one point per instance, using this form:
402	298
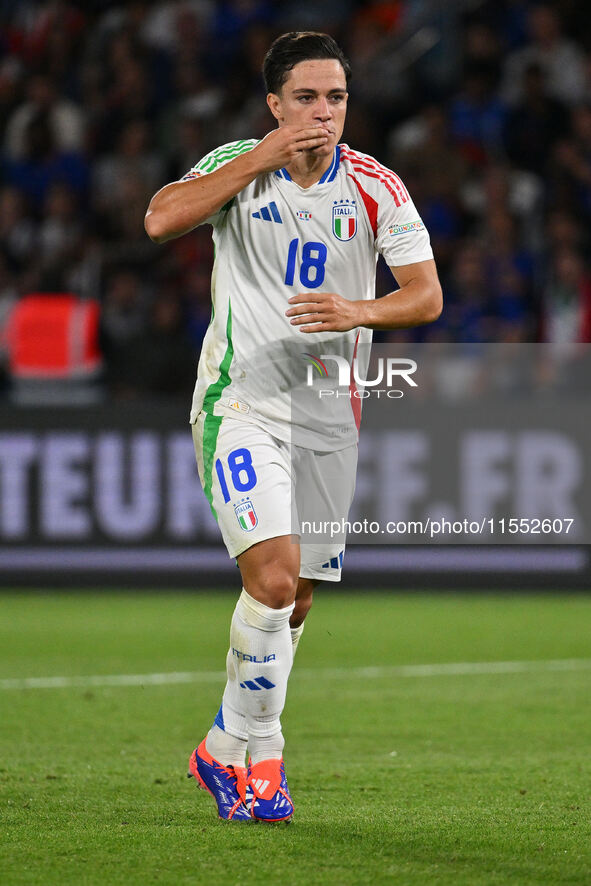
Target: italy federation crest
246	514
344	219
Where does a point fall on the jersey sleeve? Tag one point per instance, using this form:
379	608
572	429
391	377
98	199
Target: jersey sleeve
215	160
401	234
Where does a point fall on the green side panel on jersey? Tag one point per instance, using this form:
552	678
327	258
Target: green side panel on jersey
211	429
215	256
212	422
220	155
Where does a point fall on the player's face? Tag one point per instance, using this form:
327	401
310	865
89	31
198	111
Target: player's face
314	94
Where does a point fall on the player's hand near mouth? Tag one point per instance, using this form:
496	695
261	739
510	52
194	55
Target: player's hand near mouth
181	206
283	145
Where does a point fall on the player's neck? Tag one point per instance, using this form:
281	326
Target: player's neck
307	169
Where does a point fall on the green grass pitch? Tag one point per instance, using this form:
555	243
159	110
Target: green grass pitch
399	777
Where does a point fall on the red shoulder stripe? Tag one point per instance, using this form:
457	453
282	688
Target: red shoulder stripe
363	164
397	199
356	157
370	204
384	173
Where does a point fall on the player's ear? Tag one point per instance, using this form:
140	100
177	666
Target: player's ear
274	103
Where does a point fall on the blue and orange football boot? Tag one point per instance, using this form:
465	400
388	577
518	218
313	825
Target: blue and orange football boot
271	800
226	784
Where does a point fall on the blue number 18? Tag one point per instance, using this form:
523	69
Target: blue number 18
242	472
312	268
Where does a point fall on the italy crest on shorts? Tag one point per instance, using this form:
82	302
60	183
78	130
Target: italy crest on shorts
246	514
344	219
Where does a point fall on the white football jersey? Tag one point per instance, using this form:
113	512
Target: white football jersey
276	239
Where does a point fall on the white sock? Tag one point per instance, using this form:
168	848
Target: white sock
225	748
261	646
296	633
227	739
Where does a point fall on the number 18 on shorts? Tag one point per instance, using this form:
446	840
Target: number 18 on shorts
260	487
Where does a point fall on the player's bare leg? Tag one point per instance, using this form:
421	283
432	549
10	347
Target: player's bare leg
303	602
270	571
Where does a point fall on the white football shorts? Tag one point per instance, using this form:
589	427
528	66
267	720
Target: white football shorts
260	487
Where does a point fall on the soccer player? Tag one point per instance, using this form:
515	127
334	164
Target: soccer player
298	221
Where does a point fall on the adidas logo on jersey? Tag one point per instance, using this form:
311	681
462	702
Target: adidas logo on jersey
269	213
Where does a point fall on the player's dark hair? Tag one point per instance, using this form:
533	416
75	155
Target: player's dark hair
299	46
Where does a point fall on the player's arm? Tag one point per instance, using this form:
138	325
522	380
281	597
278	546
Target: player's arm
181	206
419	300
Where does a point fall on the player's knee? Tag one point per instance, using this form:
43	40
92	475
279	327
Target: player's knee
276	588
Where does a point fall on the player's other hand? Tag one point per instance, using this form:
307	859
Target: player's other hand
281	146
324	312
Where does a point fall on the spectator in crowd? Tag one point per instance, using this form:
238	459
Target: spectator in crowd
561	60
164	357
123	324
563	229
566	310
132	156
470	308
535	124
60	233
427	158
65	120
42	163
510	274
573	157
478	114
18	231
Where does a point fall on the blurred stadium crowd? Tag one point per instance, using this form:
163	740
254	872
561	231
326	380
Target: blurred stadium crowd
483	108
